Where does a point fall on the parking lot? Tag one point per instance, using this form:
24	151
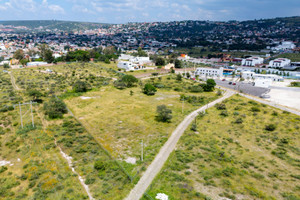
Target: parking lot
247	88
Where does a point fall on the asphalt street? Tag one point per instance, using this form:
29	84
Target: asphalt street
247	88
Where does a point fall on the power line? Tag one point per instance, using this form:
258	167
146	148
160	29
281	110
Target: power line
20	109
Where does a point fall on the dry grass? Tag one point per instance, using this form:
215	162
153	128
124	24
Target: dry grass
237	161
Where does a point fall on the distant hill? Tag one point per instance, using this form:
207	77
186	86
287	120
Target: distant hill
54	24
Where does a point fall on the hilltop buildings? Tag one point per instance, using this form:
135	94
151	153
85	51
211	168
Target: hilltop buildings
210	72
252	61
280	63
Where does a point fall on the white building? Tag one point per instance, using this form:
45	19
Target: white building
37	63
126	65
253	76
141	60
125	57
252	61
265	83
209	72
280	63
285	46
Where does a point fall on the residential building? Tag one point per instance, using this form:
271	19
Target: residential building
286	45
126	65
252	61
211	72
279	63
253	76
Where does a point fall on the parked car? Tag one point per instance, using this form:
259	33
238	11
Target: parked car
224	79
230	83
233	83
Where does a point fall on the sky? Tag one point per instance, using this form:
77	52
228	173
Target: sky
123	11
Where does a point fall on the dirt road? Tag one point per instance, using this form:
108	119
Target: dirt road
13	81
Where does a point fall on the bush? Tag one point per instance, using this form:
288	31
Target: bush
129	80
196	89
270	127
99	165
255	109
220	106
178	77
194	127
55	108
238	121
3	169
224	113
149	89
164	114
80	86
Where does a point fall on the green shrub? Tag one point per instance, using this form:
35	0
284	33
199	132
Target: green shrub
80	86
196	89
55	108
238	121
255	109
149	89
224	113
270	127
164	114
99	165
220	106
3	169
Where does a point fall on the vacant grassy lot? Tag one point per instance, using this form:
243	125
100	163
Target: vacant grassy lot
36	170
120	121
240	150
116	119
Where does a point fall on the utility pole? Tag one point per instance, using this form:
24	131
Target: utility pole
182	105
21	117
142	153
32	119
21	114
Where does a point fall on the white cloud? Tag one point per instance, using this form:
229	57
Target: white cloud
56	9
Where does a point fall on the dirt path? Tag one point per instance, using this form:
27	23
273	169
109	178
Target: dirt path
140	188
68	159
13	81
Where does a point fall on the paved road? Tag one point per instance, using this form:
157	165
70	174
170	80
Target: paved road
140	188
272	104
244	87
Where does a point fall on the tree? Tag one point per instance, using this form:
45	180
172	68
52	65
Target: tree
107	61
19	54
164	114
109	50
129	80
35	94
178	64
149	89
43	48
160	61
24	62
209	86
48	56
6	65
141	53
80	86
55	108
178	77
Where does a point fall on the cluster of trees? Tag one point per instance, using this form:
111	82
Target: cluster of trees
126	81
140	53
55	108
98	54
46	54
